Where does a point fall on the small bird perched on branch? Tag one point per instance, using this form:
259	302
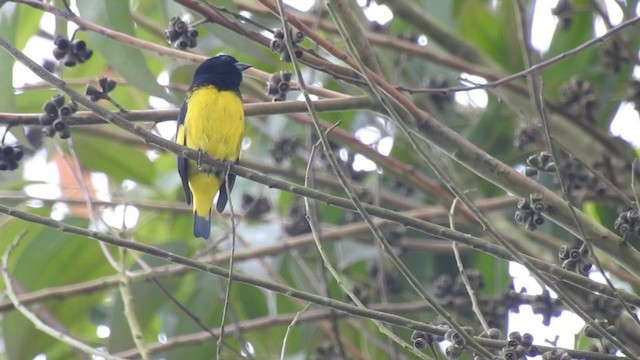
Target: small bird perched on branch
211	120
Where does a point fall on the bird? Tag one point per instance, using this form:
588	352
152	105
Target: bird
211	121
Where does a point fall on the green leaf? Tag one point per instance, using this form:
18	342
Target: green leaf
126	60
493	30
151	305
202	295
118	161
9	13
29	20
32	100
47	257
579	32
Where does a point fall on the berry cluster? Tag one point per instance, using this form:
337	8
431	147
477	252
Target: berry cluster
255	208
529	213
10	156
556	354
564	12
440	99
519	346
278	85
361	292
576	258
454	350
421	340
578	177
494	334
106	85
180	35
326	351
71	53
345	159
445	286
392	284
278	44
628	222
615	56
600	306
298	223
579	96
540	162
527	134
55	117
284	148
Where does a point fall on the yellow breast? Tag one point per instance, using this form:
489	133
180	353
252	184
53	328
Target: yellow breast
214	122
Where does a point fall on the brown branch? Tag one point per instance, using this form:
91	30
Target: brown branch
179	54
428	228
484	165
255	109
314	315
329	236
498	79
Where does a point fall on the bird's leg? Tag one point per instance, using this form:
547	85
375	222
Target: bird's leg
199	162
227	167
205	168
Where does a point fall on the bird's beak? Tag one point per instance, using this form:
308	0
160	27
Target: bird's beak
242	67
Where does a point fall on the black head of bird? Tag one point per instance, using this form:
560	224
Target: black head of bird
222	71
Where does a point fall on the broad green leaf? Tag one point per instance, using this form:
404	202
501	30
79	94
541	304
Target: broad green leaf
159	227
490	30
47	258
203	295
602	213
126	60
586	62
9	14
153	309
491	268
29	20
32	100
119	161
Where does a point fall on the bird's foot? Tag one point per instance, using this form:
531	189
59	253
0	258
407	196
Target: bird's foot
199	161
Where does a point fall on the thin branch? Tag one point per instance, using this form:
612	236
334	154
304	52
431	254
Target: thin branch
129	309
329	155
463	274
343	282
294	321
486	166
227	292
318	315
329	236
415	284
254	109
67	339
536	98
164	50
428	228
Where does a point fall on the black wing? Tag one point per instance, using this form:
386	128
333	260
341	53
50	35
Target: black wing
183	163
223	196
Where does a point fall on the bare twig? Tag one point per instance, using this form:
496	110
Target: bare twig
67	339
463	274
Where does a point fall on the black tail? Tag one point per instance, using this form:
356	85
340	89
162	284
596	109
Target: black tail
202	226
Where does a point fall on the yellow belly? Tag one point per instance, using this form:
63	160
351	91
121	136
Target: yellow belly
214	124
